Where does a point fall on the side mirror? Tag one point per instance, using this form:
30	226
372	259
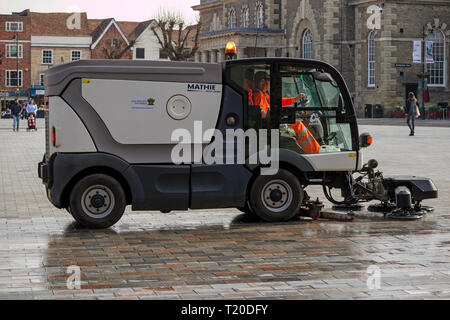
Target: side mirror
340	111
372	164
365	140
322	77
341	103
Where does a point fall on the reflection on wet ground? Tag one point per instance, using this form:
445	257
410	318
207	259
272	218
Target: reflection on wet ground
218	254
232	257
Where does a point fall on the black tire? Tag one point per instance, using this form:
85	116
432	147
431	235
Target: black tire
276	198
97	201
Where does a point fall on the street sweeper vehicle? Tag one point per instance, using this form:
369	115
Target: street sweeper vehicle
252	134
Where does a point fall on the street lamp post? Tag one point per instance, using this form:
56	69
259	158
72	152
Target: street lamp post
423	71
17	59
424	61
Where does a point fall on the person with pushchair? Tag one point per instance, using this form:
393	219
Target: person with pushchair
31	115
31	108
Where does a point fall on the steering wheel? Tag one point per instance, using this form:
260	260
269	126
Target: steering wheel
330	137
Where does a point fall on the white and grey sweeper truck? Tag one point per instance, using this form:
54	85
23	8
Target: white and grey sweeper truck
109	143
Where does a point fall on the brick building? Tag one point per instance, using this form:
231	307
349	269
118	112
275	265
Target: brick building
109	41
15	56
49	39
376	62
56	38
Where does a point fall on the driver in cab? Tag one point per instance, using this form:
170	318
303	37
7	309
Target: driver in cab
305	140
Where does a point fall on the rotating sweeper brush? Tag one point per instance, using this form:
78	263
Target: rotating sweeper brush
400	196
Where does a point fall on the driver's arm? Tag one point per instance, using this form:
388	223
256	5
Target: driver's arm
290	101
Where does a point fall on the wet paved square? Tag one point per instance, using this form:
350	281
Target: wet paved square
218	254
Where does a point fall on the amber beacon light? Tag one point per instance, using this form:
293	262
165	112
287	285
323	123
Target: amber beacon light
230	50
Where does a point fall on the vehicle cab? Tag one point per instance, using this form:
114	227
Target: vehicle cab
327	111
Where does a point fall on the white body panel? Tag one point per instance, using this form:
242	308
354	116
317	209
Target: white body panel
360	160
122	105
342	161
71	134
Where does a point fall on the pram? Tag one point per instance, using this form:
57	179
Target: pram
31	122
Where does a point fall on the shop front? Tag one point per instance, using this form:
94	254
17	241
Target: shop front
6	97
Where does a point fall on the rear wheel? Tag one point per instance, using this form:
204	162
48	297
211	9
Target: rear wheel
276	198
97	201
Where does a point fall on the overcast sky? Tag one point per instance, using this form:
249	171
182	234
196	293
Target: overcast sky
128	10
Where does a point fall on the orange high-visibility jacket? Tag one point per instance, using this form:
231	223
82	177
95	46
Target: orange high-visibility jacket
305	140
262	99
250	96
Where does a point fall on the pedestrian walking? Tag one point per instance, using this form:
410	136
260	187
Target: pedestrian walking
412	112
15	112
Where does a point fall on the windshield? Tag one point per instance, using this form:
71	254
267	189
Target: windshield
320	94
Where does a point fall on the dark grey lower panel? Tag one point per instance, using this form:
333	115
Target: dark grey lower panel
154	187
165	187
219	186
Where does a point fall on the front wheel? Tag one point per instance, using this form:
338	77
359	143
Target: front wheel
97	201
276	198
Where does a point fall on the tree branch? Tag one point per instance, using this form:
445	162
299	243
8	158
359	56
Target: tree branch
169	34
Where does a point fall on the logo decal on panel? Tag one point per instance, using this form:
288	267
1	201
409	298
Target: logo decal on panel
142	103
201	87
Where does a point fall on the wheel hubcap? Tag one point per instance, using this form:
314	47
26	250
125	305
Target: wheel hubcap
97	201
277	195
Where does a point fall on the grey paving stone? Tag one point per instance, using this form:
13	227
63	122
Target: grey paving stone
206	254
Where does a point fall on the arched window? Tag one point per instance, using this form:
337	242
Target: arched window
307	44
232	19
371	59
260	16
245	18
437	69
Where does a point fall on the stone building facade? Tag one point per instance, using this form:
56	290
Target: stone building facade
375	60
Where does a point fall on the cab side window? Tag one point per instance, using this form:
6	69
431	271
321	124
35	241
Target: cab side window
256	96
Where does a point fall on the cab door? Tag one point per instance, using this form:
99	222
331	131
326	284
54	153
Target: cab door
321	125
242	77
